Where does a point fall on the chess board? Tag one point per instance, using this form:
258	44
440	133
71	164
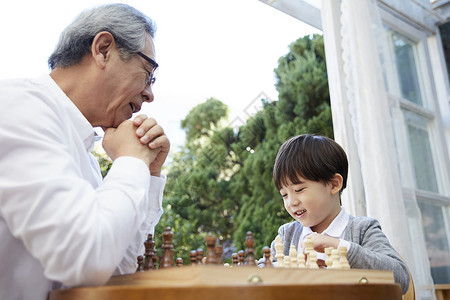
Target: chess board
245	282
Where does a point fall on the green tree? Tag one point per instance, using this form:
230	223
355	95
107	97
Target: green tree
221	180
104	161
302	84
198	183
303	107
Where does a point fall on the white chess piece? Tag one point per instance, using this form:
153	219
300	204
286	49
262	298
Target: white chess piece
287	262
279	251
293	256
336	261
308	249
301	260
313	260
329	260
343	258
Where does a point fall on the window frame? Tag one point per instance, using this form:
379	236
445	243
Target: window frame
428	110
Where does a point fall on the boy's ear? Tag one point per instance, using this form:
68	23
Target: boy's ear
336	183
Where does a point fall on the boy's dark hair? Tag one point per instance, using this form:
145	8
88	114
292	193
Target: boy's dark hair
312	157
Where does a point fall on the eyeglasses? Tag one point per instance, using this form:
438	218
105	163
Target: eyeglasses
151	75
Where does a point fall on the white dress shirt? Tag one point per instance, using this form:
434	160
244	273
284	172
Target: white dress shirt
335	229
59	223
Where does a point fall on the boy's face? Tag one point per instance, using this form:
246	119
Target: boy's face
314	204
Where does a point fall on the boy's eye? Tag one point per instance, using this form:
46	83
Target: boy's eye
284	196
299	190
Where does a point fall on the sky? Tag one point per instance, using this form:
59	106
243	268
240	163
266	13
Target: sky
226	49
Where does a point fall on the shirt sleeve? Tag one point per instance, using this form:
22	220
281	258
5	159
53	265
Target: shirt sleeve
136	248
77	231
373	251
344	243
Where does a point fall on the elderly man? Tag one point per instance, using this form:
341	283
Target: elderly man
60	224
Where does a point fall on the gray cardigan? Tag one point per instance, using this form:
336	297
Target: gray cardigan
370	248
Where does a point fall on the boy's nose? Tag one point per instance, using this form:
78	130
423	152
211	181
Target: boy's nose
293	201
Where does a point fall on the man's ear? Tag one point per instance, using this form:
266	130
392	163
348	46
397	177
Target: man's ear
101	47
336	183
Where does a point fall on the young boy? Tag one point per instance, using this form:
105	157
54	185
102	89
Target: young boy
311	172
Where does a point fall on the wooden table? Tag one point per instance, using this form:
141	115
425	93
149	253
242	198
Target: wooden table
442	291
217	283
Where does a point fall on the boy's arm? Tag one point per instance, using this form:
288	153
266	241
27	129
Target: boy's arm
370	249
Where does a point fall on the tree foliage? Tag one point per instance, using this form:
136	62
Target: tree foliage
221	179
104	161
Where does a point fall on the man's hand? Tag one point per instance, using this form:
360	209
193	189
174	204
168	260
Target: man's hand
122	141
152	134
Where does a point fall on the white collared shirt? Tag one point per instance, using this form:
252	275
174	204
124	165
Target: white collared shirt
335	229
59	222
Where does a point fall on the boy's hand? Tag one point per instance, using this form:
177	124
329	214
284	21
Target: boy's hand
320	242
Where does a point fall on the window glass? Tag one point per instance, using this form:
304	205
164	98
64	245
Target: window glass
445	36
422	159
406	68
436	241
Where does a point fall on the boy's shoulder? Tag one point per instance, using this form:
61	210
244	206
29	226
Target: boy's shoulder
290	227
361	219
359	222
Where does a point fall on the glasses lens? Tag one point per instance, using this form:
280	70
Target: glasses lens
152	77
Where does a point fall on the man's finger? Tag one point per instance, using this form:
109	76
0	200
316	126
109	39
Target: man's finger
139	119
152	134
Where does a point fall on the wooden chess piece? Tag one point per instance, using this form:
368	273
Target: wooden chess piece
241	255
199	256
155	260
235	258
167	259
193	257
211	258
179	262
219	253
250	243
149	247
267	262
140	262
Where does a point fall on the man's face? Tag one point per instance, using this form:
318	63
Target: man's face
127	86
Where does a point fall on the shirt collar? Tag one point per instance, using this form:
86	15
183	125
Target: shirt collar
81	124
335	229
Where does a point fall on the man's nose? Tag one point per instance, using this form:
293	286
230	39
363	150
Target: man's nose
147	94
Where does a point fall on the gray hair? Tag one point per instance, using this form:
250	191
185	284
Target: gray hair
127	25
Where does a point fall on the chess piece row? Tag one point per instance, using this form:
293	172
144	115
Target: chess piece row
336	258
245	258
149	261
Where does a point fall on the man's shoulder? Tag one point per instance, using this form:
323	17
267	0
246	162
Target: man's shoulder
31	94
19	82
